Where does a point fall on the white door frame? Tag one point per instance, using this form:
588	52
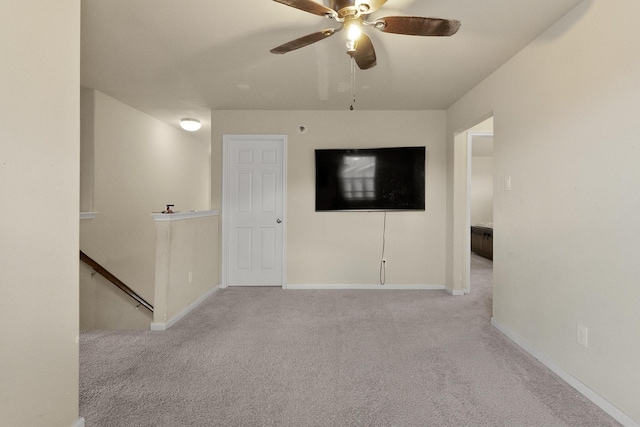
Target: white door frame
227	140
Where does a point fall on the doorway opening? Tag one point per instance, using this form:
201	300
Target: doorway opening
474	200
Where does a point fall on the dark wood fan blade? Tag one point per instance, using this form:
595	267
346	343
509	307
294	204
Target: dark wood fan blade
365	54
369	6
303	41
417	25
309	6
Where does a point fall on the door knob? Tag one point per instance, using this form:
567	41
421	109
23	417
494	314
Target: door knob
278	220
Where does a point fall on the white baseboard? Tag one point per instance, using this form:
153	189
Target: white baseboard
455	292
78	423
189	308
367	287
601	402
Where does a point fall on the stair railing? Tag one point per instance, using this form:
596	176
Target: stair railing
113	279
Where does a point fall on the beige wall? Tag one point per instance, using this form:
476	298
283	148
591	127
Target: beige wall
481	189
140	164
39	168
186	249
87	122
566	131
345	248
481	192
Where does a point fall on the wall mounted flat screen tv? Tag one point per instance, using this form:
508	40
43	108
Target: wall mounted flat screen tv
370	179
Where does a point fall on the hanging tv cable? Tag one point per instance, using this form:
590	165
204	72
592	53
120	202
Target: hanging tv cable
383	261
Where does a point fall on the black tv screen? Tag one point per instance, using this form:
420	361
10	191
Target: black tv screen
370	179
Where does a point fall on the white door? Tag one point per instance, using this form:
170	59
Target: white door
253	210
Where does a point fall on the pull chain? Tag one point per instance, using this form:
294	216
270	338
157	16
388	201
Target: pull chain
353	83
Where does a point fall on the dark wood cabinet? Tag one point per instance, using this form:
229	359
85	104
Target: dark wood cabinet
482	241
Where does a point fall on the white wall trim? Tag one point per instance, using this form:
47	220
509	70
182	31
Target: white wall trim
367	287
601	402
456	292
88	215
187	310
285	218
178	216
78	423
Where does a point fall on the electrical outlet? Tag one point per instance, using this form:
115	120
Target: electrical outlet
190	277
582	335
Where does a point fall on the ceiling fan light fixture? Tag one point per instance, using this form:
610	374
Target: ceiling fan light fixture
190	124
354	30
353	14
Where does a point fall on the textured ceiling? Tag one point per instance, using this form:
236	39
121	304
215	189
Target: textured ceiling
174	59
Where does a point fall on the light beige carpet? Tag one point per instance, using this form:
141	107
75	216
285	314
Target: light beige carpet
268	357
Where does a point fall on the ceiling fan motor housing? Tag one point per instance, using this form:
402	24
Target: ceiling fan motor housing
349	8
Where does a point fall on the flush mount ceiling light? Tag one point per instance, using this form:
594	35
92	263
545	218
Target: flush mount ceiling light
190	125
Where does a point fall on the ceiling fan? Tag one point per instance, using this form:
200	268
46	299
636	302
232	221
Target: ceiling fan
353	15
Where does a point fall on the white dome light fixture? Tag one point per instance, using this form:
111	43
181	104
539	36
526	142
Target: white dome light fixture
190	124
